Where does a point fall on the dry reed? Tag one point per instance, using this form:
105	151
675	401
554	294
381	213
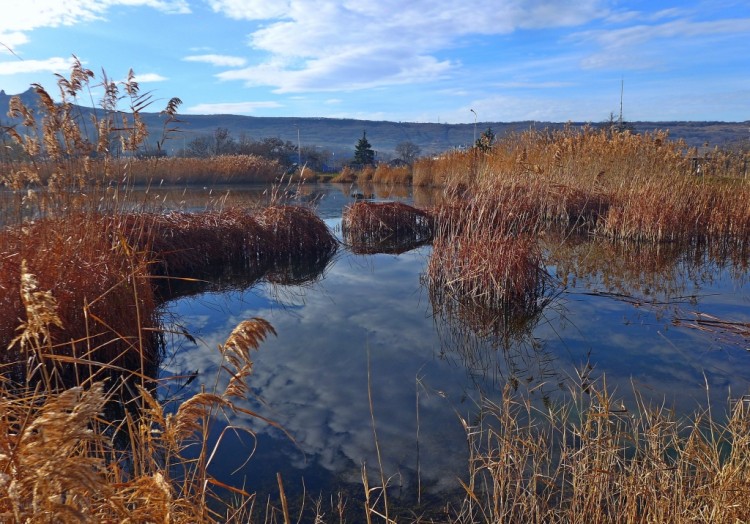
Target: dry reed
296	233
388	227
100	284
625	186
596	459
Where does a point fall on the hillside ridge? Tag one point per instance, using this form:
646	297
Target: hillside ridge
339	135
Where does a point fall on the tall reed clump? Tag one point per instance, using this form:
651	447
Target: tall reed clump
59	232
60	462
103	295
296	235
485	253
596	459
391	227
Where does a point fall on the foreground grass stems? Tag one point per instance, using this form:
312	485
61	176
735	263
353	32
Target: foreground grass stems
595	459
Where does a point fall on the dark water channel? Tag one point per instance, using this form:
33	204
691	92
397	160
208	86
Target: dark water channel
365	329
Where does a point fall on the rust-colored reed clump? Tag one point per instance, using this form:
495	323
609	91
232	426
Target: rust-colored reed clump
485	252
296	233
103	297
194	244
503	272
387	227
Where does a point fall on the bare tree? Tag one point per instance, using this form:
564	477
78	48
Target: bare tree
408	151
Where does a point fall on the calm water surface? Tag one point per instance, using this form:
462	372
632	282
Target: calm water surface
365	329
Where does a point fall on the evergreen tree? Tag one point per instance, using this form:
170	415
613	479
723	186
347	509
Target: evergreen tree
485	141
363	153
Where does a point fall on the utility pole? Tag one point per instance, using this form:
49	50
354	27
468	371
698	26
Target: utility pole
475	128
622	89
299	149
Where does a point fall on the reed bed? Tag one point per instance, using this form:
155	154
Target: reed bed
597	459
100	287
190	244
224	169
386	174
623	186
387	227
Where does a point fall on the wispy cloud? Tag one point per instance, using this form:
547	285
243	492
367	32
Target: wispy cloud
385	43
638	46
533	85
22	17
50	65
150	77
230	108
217	60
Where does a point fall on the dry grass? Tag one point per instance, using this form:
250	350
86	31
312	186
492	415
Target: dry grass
100	285
59	462
346	176
596	459
389	227
631	187
385	174
225	169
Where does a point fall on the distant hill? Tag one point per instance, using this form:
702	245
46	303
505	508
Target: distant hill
341	134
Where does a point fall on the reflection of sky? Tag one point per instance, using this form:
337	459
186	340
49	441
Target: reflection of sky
371	310
313	377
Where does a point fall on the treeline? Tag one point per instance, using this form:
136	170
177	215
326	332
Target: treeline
286	153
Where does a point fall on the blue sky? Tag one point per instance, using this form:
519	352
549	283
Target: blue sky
417	60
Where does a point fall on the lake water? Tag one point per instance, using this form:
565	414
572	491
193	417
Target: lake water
361	342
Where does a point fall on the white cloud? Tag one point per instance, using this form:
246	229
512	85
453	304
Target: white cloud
150	77
22	16
217	60
53	65
637	47
371	44
11	41
250	10
230	108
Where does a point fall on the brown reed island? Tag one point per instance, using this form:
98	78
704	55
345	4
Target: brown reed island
385	227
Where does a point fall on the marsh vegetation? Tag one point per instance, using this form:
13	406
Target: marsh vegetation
87	265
